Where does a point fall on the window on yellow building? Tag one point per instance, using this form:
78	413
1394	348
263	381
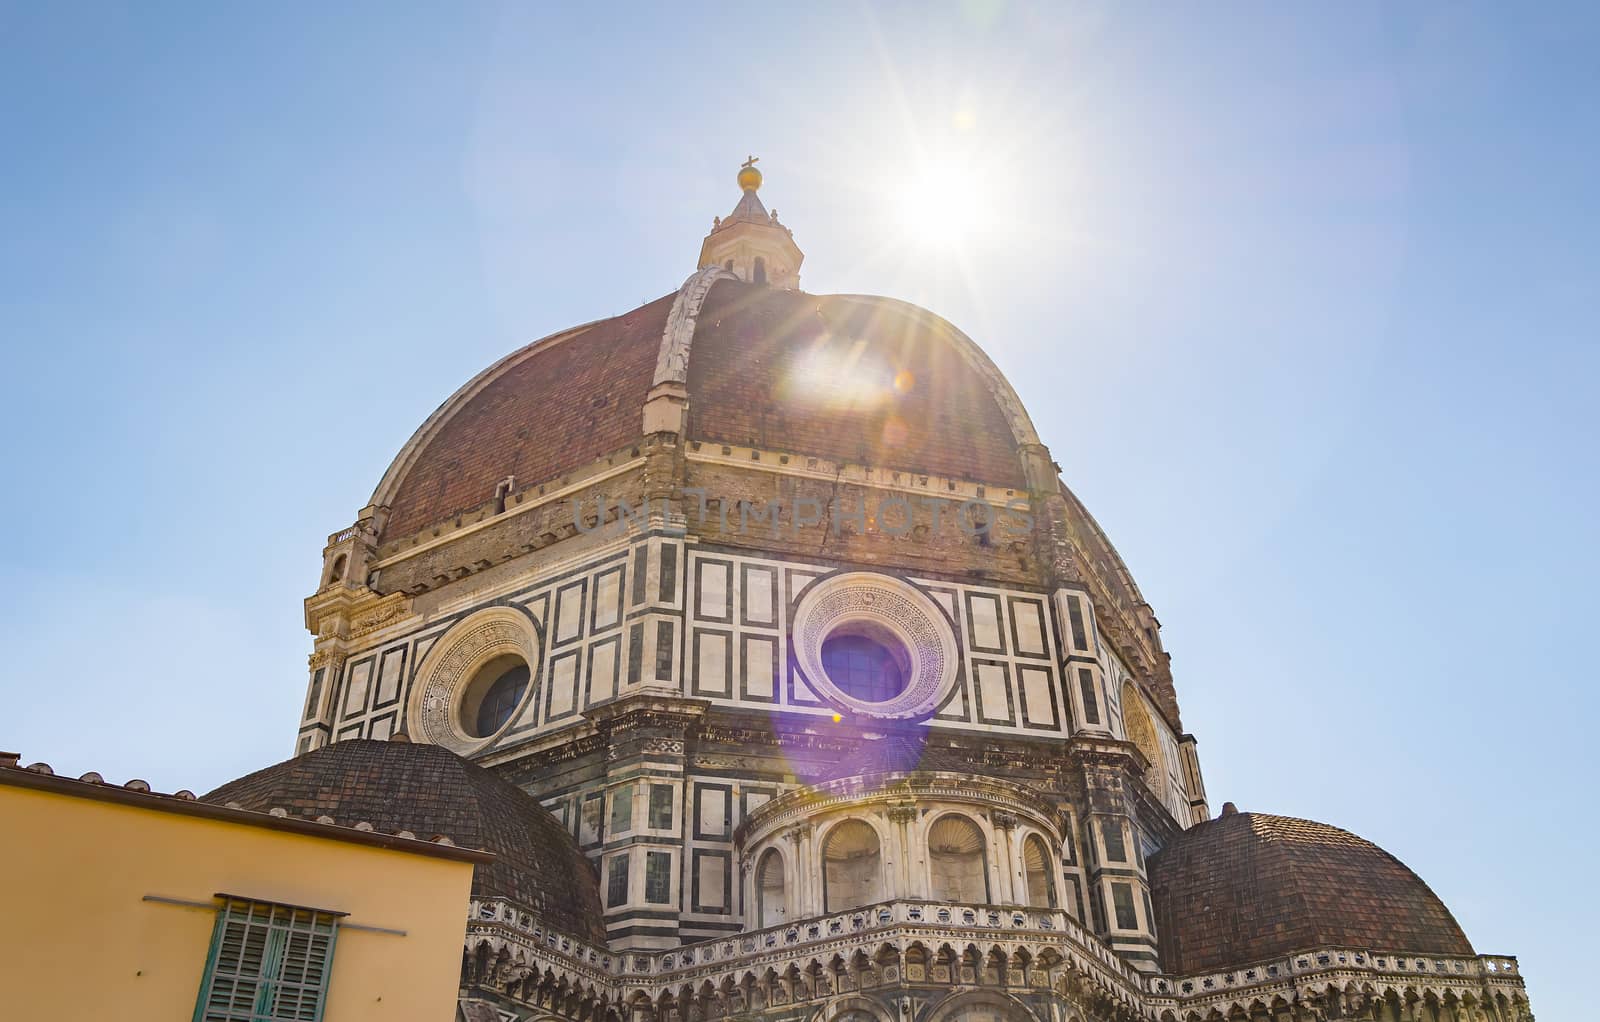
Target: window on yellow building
267	962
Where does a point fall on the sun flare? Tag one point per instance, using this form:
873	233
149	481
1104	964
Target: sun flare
943	204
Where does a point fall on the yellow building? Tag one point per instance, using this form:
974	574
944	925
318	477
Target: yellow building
164	907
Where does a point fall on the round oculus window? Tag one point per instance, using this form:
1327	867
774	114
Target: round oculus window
874	644
473	680
494	695
865	667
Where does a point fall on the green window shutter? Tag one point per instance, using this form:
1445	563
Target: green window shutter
267	963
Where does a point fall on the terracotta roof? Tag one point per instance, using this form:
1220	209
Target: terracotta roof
560	406
843	379
430	790
837	377
1249	886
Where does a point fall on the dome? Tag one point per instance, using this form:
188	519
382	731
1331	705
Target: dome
556	405
429	790
1249	886
847	378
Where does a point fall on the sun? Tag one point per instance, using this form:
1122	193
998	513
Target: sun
944	203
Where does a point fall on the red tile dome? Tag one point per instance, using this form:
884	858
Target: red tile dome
838	377
851	379
554	406
1249	886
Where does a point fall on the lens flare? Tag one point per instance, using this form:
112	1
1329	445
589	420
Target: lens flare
944	203
895	432
839	376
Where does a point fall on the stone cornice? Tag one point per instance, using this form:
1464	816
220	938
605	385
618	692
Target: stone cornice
349	612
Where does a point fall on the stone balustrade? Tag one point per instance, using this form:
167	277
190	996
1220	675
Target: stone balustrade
515	934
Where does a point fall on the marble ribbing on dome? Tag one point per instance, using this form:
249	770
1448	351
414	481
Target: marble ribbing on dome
843	378
1250	886
559	407
429	790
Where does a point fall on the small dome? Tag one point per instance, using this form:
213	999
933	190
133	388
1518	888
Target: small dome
1249	886
429	790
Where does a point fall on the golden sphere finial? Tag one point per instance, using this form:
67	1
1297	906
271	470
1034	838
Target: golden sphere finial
749	176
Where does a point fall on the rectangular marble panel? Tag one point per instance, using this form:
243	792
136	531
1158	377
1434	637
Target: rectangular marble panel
563	698
711	663
759	660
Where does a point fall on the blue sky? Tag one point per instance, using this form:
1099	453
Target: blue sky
1301	299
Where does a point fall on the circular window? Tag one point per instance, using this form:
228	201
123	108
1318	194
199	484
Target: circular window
874	644
872	668
471	681
493	695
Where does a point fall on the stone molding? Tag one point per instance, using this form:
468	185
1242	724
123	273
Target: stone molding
888	603
451	666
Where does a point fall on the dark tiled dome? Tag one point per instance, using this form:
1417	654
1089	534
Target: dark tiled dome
1249	886
429	790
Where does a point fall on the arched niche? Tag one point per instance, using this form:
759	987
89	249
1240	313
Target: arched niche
957	867
1038	873
852	867
772	903
981	1006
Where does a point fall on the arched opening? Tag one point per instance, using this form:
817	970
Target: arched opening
760	273
981	1006
852	867
956	866
772	907
336	572
494	695
1039	873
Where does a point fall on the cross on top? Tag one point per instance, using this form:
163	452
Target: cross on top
750	161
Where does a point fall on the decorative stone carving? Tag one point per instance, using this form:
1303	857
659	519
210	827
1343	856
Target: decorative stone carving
890	604
452	664
672	364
